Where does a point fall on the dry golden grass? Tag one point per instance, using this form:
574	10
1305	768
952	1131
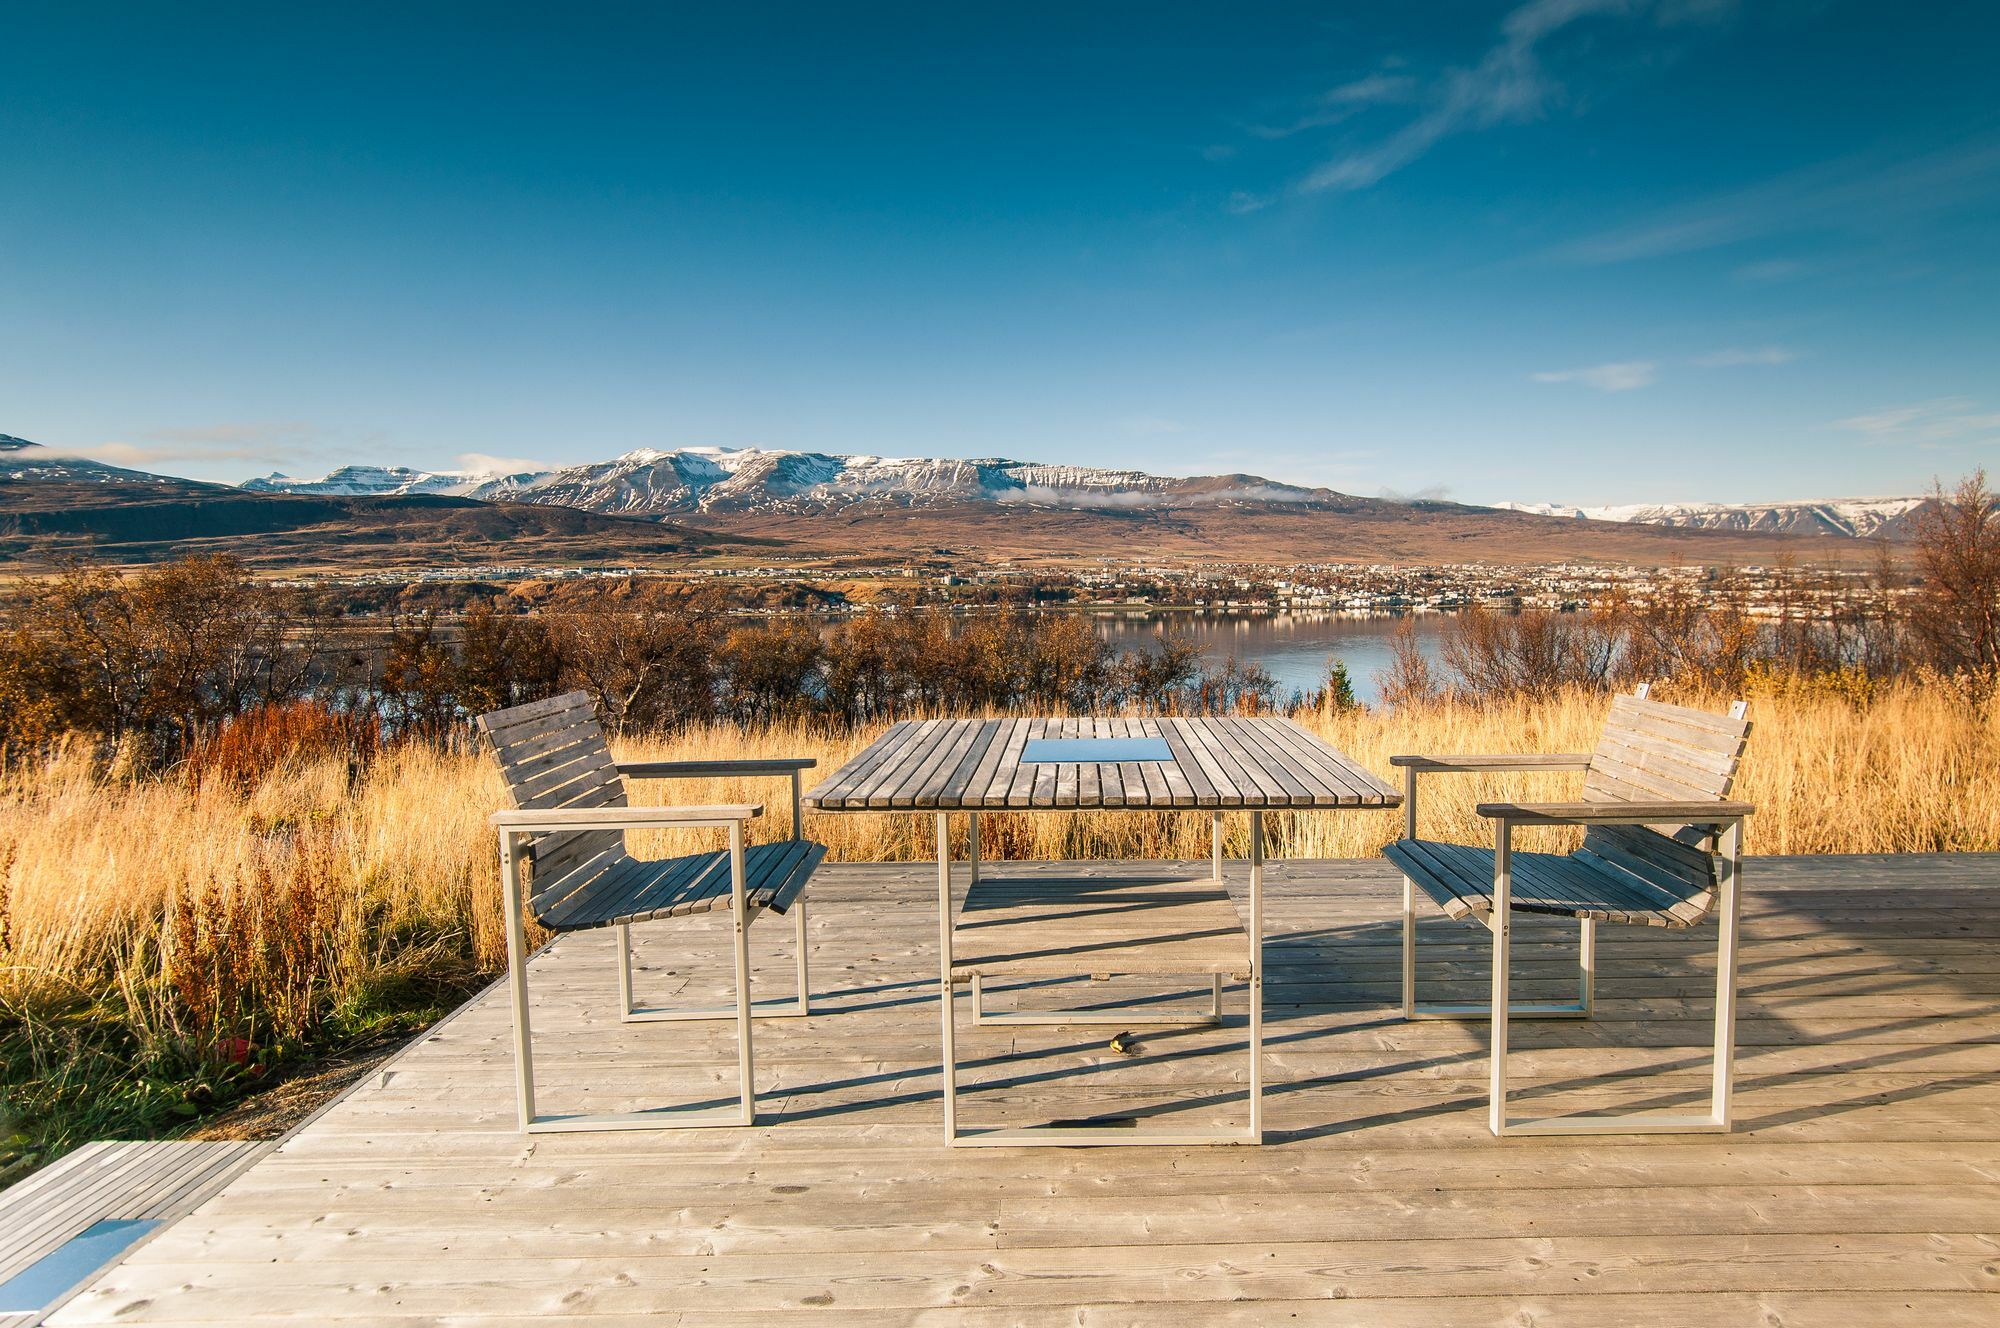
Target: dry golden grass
219	911
1910	771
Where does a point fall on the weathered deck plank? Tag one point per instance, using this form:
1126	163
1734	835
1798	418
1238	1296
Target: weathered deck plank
1863	1184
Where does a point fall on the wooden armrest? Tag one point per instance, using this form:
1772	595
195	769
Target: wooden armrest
532	821
1520	761
1615	813
757	765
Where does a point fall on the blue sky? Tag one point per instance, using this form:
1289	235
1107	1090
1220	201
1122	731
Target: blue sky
1573	250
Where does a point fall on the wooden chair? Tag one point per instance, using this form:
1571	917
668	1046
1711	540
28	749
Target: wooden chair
1662	847
567	830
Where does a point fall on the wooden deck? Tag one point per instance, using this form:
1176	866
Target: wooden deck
1862	1187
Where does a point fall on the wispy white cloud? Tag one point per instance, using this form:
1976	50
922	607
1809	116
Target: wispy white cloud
1342	103
1858	193
1771	269
262	433
1737	356
1508	85
1623	376
1946	423
141	456
479	463
262	441
1430	493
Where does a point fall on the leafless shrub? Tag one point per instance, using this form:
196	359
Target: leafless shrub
646	655
1536	652
1955	615
1410	679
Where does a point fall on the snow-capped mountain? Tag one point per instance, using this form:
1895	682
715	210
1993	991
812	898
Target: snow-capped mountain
1858	518
23	460
654	482
358	481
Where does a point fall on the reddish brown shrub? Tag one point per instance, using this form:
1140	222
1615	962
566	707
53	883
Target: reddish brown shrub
248	748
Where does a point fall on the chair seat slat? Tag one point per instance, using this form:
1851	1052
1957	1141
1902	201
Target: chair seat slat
1459	879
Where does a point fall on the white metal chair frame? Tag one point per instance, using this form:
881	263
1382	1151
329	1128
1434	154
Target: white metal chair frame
781	1007
1586	957
1084	1135
1725	821
1729	859
515	828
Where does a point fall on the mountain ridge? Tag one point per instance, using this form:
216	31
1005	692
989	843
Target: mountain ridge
657	481
663	481
1853	518
803	508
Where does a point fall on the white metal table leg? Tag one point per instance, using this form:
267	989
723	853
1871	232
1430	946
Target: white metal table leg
948	1058
1256	977
1730	923
1086	1134
1502	924
1215	845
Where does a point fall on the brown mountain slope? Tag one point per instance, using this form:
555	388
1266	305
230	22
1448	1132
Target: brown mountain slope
1358	531
45	519
41	521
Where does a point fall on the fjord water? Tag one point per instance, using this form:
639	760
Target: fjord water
1296	647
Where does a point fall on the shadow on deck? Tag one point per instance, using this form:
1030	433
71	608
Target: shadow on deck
1862	1184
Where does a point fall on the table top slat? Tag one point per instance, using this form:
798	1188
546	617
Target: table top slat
1333	772
1327	785
1252	763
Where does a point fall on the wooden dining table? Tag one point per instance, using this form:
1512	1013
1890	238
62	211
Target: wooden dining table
1168	924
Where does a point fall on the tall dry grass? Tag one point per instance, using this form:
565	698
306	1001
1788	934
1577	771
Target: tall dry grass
203	921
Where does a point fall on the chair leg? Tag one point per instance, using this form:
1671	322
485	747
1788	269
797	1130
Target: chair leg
1580	1008
1718	1119
658	1118
777	1007
800	943
1730	925
517	980
1500	1006
740	916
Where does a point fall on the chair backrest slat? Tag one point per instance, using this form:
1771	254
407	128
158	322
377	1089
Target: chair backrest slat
552	755
1651	750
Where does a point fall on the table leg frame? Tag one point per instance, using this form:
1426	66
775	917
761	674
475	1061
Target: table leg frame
1109	1134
